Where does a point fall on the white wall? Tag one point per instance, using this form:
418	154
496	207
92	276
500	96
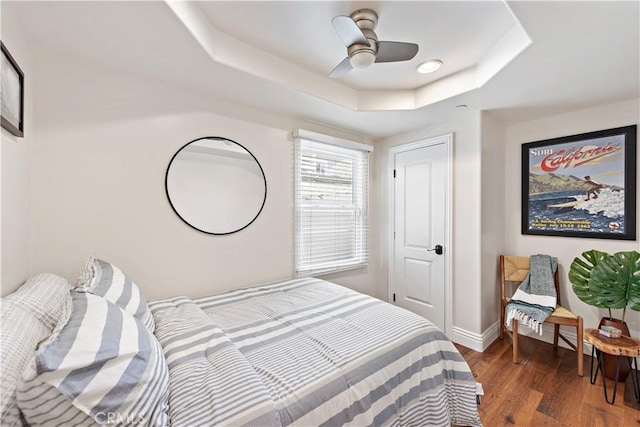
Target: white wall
104	141
15	156
565	248
466	219
95	166
492	220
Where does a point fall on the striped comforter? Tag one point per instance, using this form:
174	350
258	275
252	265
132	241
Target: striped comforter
311	353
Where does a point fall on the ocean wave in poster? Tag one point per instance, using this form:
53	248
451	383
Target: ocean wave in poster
609	203
558	211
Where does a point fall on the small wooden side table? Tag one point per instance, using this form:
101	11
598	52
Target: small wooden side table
621	347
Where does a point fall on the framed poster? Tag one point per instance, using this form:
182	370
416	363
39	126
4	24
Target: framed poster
11	94
581	185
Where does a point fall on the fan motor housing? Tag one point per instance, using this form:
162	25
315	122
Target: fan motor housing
365	19
372	46
356	32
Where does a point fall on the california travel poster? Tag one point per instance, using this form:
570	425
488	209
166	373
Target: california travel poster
577	186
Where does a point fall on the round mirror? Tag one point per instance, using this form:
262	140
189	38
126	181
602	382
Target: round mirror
216	185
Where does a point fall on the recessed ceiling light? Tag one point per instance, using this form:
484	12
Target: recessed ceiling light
429	66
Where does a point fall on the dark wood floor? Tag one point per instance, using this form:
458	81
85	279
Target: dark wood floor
544	389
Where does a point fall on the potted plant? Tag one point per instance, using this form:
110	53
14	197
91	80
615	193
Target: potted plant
612	282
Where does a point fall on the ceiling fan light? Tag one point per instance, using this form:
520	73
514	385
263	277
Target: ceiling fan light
362	59
429	66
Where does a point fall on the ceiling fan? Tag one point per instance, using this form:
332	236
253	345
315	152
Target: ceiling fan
363	48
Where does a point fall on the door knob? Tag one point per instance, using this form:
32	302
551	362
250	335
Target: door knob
438	249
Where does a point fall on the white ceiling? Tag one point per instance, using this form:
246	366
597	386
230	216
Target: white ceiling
301	32
520	60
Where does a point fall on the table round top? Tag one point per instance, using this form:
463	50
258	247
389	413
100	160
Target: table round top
623	346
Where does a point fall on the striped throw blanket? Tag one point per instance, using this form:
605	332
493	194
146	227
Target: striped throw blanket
308	352
536	298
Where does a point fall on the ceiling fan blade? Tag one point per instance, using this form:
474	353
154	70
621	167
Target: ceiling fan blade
396	51
348	32
342	68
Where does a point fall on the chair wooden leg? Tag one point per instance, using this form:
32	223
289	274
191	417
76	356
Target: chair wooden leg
514	336
579	343
502	323
556	332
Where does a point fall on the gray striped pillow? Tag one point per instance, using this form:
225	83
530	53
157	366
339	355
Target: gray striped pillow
101	366
106	280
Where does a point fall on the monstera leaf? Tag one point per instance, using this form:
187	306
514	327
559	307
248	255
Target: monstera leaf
580	276
607	281
615	281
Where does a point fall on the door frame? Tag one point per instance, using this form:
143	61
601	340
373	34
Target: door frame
446	139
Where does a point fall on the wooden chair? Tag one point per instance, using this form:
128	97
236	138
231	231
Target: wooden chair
513	271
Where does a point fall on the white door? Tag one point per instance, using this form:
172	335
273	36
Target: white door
419	279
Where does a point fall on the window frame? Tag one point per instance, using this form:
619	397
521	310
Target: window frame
359	153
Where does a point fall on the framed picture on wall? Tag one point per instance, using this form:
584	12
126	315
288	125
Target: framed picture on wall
581	185
11	94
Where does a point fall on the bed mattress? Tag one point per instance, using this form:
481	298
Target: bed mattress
312	353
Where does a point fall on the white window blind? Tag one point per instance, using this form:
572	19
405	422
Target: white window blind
331	207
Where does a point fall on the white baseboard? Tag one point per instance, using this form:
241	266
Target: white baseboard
567	331
480	342
474	341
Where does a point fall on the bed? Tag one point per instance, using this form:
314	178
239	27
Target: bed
298	352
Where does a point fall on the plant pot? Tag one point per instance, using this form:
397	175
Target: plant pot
610	361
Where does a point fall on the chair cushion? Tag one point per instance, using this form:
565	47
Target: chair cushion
559	312
563	312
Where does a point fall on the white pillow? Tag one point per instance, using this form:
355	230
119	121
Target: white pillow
28	316
101	366
44	296
106	280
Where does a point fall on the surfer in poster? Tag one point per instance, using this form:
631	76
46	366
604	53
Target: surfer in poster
593	187
559	200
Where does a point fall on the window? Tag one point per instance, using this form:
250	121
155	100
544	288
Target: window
331	204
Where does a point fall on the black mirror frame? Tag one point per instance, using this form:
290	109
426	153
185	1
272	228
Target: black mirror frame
217	138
